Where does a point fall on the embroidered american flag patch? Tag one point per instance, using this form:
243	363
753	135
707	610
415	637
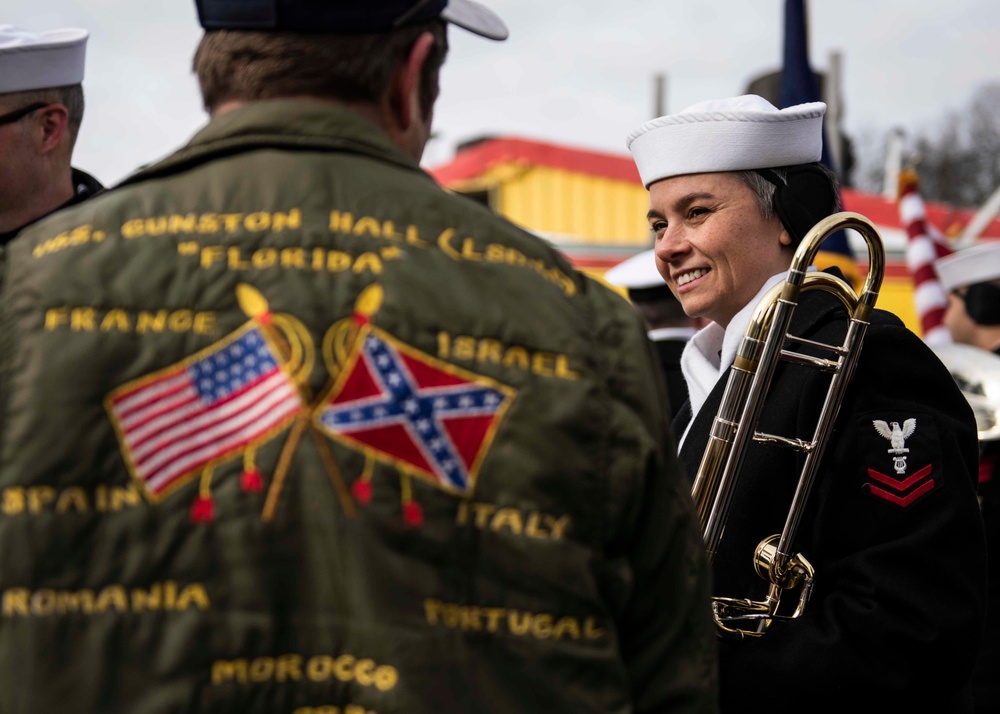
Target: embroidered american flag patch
202	411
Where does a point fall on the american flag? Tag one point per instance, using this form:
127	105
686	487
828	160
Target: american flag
925	244
431	418
212	406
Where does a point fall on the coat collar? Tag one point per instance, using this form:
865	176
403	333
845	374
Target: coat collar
85	186
294	124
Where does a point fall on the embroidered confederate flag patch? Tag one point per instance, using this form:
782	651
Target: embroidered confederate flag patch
400	405
899	454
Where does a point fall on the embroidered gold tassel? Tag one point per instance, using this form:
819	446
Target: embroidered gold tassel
362	488
203	508
413	514
251	480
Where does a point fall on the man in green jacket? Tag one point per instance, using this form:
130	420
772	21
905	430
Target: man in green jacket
285	427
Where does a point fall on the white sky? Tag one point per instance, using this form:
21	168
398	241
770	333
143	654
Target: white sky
579	72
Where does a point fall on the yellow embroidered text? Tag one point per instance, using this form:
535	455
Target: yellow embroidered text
531	524
167	596
541	626
89	319
238	258
297	668
34	500
212	223
343	222
488	351
81	235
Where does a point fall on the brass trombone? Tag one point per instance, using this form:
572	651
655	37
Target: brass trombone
765	343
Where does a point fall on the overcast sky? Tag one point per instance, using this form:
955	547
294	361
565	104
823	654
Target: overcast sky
579	72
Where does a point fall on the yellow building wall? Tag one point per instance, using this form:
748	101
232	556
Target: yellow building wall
896	296
591	209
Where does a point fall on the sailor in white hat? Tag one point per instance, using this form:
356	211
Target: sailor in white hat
41	107
667	326
734	185
971	277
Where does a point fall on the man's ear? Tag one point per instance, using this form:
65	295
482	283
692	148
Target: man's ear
50	127
405	101
784	237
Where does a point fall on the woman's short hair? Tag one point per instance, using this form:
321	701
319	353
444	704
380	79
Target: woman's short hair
765	190
239	65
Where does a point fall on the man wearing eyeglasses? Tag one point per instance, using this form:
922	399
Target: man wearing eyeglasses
297	431
41	107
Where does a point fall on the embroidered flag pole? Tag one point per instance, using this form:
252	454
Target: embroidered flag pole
924	245
298	346
281	470
366	305
334	472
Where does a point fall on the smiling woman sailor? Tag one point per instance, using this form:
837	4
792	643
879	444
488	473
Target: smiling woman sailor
891	529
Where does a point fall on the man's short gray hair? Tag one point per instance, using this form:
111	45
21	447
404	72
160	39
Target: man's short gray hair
70	96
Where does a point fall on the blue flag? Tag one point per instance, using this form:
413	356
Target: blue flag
799	85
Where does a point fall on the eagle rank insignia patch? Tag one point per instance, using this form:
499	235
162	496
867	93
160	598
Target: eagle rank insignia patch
901	454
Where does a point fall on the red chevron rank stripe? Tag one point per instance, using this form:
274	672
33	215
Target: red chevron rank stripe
898	486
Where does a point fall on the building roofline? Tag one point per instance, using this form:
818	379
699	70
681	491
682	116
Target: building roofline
478	159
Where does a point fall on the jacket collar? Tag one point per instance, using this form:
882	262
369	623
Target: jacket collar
295	124
84	186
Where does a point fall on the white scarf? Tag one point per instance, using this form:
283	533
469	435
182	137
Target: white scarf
712	350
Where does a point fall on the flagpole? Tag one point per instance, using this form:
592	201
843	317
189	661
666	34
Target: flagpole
986	213
834	111
660	95
893	164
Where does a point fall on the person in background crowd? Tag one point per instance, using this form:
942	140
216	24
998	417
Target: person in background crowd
971	278
891	527
41	107
311	434
666	324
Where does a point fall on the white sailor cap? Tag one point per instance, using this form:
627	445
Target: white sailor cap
738	134
638	272
639	276
978	263
40	60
